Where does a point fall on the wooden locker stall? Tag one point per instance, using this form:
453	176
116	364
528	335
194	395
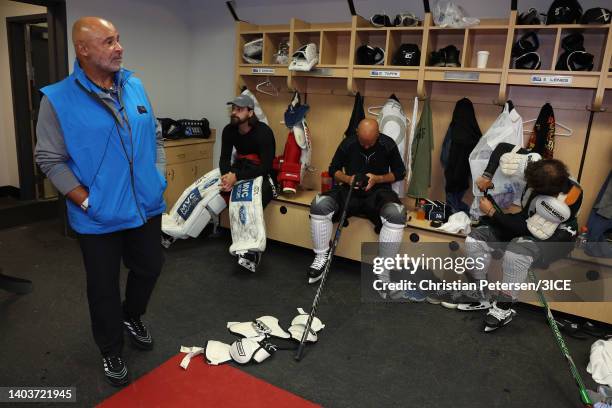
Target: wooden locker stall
330	87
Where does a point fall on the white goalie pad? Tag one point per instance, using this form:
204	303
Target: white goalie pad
297	331
246	217
301	131
392	122
195	207
298	325
264	325
514	164
547	213
246	350
302	318
217	352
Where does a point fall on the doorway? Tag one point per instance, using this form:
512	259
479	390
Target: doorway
38	56
28	39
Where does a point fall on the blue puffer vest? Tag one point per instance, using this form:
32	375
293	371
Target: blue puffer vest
115	161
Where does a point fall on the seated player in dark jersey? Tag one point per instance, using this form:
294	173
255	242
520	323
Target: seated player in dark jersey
374	160
248	176
549	206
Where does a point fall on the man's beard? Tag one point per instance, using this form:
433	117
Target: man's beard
235	120
111	65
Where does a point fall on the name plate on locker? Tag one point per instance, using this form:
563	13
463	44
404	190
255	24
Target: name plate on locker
262	71
375	73
461	76
551	79
322	71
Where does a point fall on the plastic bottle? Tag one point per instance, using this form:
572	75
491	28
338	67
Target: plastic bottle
582	240
326	182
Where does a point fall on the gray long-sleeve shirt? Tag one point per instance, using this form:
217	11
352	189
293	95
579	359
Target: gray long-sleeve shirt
51	154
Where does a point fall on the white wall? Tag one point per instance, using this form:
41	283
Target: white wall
157	45
9	172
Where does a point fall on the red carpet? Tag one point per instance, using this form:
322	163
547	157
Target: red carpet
202	385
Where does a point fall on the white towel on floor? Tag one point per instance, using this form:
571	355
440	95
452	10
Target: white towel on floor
600	365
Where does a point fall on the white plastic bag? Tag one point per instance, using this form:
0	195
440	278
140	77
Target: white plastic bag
448	14
508	128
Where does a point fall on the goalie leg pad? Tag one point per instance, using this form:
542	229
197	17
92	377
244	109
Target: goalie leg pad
195	207
290	167
516	264
246	217
477	249
322	210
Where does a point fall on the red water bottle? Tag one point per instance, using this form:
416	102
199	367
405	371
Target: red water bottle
326	182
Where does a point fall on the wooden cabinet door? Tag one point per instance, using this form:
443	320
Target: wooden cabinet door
179	177
201	167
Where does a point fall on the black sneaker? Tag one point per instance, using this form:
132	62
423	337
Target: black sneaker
139	334
317	267
115	370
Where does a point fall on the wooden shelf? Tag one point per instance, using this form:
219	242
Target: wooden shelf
437	28
302	197
563	26
372	28
267	31
461	69
337	44
425	225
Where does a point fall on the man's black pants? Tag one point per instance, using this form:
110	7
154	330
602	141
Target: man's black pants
141	251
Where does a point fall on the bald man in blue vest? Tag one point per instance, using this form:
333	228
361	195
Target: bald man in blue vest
99	144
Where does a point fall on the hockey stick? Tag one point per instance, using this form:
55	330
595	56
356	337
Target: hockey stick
332	250
584	397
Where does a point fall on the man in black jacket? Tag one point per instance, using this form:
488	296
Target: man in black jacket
374	160
549	206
